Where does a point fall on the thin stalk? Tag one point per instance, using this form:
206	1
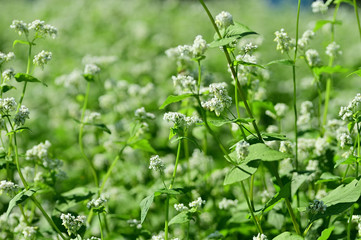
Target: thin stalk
101	227
170	187
357	17
80	139
258	226
251	192
350	223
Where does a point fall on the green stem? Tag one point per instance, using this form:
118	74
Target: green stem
251	192
258	225
350	223
170	187
357	17
101	227
90	163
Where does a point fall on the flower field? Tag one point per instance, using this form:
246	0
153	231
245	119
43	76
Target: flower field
180	119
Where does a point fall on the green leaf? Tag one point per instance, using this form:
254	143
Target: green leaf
349	193
18	130
330	70
89	77
144	145
144	207
222	42
282	61
240	172
276	219
328	177
238	30
79	194
221	122
20	42
297	182
172	99
5	87
274	137
288	236
326	233
358	72
23	77
19	198
236	62
102	127
320	23
182	217
261	151
285	192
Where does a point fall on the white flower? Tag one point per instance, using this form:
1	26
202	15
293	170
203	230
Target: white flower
284	42
180	120
313	58
316	207
199	46
249	48
93	238
184	83
134	223
143	115
260	237
39	151
8	74
286	147
180	207
197	203
43	29
347	112
92	117
8	187
344	139
156	163
7	104
242	149
20	27
21	115
6	57
224	19
96	203
181	52
42	58
29	232
220	100
91	69
72	223
333	50
319	6
307	35
227	203
321	146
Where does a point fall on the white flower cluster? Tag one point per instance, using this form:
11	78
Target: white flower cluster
187	52
284	42
143	115
181	120
42	58
321	145
280	109
69	80
184	83
134	223
93	238
313	58
260	236
344	139
38	26
224	19
249	48
306	37
91	69
72	223
220	99
347	112
29	232
92	117
316	207
180	207
39	151
6	57
199	160
7	104
319	6
333	50
286	147
156	163
8	187
197	203
242	149
96	203
21	115
306	113
8	74
357	219
227	203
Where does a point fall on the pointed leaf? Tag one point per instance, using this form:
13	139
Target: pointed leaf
326	233
222	42
182	217
5	87
102	127
172	99
262	152
241	172
238	30
19	198
330	70
285	192
144	145
144	207
282	61
20	42
358	72
288	236
320	23
23	77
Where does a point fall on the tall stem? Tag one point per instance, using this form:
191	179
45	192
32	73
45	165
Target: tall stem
80	139
357	16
